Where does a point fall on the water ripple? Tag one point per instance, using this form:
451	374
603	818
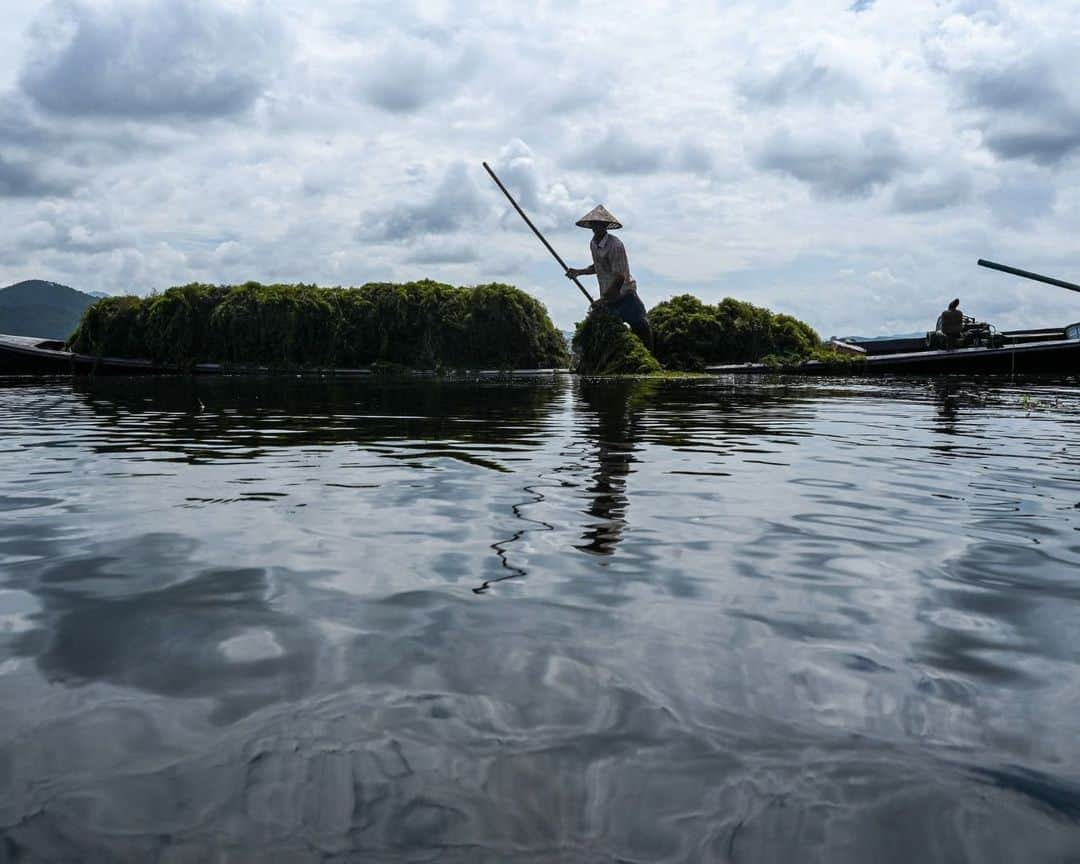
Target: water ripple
540	620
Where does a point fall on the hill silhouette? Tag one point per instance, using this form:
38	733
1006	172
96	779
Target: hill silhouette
39	308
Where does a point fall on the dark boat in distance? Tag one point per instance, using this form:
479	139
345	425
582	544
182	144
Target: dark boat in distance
982	349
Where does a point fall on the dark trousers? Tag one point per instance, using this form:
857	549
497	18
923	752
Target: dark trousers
630	308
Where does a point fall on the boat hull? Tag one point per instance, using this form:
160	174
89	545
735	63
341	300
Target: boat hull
23	355
20	355
1057	357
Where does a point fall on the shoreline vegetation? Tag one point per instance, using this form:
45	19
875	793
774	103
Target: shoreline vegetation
429	325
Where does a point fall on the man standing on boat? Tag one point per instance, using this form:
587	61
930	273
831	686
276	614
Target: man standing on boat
618	290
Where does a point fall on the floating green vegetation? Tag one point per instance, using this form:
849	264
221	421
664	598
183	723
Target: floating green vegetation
419	325
605	346
691	335
836	360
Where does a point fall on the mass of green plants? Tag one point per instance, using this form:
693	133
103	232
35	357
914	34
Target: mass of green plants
420	325
432	326
690	335
604	345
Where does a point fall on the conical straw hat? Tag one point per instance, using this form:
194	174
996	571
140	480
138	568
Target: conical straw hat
599	213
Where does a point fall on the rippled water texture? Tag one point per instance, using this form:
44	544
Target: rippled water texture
550	620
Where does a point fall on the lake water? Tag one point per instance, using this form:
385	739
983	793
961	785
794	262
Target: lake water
543	621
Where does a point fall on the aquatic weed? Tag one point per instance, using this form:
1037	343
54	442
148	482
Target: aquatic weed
421	325
604	345
691	335
112	323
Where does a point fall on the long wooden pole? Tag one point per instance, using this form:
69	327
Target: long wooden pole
536	231
1027	274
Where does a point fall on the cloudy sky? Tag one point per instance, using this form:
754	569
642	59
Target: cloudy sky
843	162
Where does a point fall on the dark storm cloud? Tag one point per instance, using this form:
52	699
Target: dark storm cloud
617	153
836	166
20	180
933	194
454	203
157	59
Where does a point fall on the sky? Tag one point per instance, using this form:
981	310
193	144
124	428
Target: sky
843	162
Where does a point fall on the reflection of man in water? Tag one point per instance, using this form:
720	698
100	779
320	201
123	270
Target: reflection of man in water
947	402
951	324
616	447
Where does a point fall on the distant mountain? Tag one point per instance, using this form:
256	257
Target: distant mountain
37	308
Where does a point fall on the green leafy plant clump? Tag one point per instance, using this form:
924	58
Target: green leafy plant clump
114	322
605	346
691	335
419	325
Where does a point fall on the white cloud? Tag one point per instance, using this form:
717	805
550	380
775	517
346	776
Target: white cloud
152	58
783	153
452	204
935	191
833	166
405	74
20	179
1013	72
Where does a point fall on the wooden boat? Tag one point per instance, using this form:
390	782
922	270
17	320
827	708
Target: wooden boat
1054	351
26	355
981	349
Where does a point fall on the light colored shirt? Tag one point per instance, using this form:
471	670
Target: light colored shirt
609	258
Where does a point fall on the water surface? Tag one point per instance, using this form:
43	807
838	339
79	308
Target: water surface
542	620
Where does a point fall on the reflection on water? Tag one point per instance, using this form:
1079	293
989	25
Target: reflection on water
130	618
611	425
550	620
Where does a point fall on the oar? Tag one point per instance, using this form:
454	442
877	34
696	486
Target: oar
536	231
